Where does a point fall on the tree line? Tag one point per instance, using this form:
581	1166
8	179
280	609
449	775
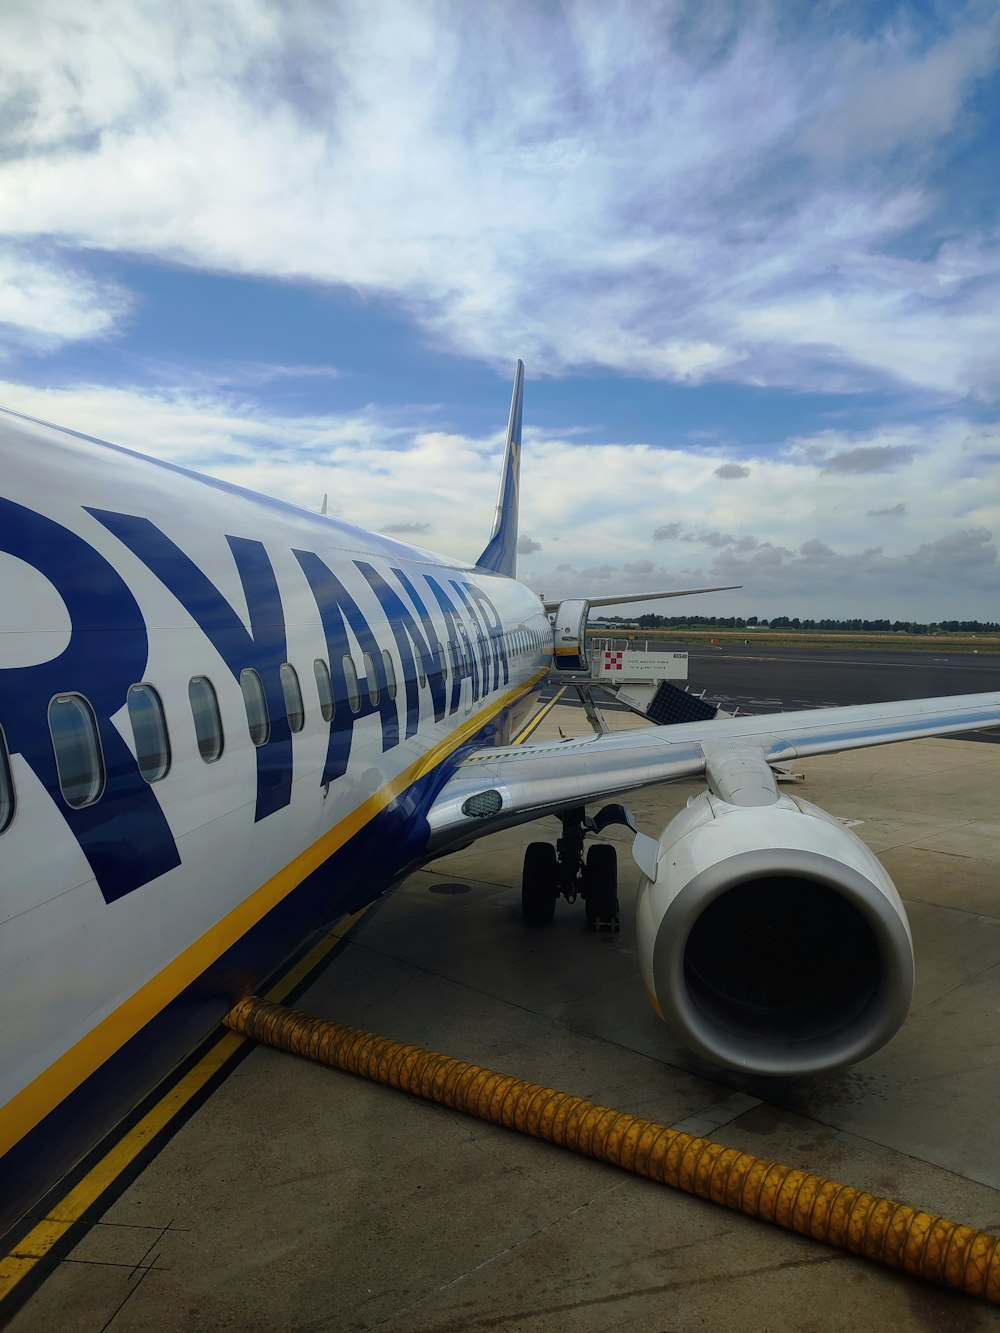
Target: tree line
651	621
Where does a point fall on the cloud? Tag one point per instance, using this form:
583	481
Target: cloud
720	539
799	538
732	470
909	96
935	580
401	529
890	511
657	193
46	302
872	458
525	546
815	549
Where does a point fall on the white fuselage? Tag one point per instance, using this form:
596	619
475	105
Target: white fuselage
117	571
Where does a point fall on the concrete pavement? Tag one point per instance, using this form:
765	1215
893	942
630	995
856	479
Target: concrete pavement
302	1199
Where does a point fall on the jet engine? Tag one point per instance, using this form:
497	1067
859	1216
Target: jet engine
770	939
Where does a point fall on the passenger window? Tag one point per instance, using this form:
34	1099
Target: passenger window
454	657
421	668
7	801
371	679
390	673
77	746
207	720
324	688
149	731
290	688
441	658
353	687
256	705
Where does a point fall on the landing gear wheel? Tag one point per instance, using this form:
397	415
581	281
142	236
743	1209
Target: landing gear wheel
600	888
538	884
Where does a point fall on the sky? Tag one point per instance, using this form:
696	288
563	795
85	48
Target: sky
748	252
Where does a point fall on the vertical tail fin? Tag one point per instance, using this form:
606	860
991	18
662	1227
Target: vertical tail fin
500	555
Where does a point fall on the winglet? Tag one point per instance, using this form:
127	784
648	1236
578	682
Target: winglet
500	555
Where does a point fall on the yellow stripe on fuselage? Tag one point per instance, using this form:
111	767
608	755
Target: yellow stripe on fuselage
30	1106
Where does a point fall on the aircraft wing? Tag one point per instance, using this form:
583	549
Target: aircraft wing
625	598
497	788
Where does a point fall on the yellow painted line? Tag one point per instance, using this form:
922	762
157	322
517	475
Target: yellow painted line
40	1241
542	713
331	938
30	1106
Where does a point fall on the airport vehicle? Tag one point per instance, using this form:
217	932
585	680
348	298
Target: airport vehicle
225	721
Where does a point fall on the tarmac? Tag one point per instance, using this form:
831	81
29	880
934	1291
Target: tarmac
301	1199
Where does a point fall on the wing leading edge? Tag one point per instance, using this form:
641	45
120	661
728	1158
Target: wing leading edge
521	783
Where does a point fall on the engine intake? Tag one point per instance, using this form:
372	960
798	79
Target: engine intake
771	939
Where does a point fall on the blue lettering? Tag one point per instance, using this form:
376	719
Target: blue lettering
410	640
494	630
338	610
481	640
263	648
124	836
456	635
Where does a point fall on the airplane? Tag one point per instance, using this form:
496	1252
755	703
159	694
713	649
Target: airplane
226	721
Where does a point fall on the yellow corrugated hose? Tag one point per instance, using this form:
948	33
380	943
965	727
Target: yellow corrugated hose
880	1229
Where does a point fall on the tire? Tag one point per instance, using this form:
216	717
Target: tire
538	884
601	888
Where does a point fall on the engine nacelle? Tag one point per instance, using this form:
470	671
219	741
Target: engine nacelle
770	938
